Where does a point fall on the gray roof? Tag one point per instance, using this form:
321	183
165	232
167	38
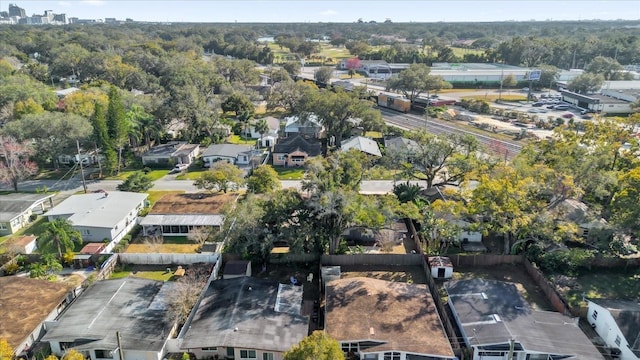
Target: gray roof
492	312
627	317
226	150
182	219
241	312
402	145
98	210
310	121
12	205
363	144
174	148
135	307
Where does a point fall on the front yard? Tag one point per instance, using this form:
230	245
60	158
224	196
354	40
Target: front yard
296	173
153	174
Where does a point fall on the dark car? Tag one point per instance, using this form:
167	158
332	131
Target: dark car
537	104
568	115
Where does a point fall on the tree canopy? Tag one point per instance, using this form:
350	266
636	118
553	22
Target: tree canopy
317	346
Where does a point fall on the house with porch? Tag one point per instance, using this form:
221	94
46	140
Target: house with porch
378	320
27	305
126	316
295	150
232	153
490	314
16	209
101	216
249	318
617	322
171	153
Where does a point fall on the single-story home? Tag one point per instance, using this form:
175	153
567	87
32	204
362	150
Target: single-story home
363	144
490	313
308	125
295	150
101	216
401	148
617	322
269	138
251	318
378	319
233	153
171	153
15	210
133	308
27	304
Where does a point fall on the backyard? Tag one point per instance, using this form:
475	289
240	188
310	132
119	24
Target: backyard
165	245
600	283
405	274
150	272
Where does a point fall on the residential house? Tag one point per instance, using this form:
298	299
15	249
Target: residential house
171	153
128	316
246	318
295	150
401	148
233	153
379	320
16	209
26	305
362	144
101	216
180	214
305	125
491	313
269	138
617	322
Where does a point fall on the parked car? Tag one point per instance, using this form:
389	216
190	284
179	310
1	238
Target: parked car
568	115
537	104
179	168
562	107
551	106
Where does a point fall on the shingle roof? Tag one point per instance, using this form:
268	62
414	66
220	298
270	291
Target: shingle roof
226	150
241	312
402	316
100	210
363	144
12	205
492	312
401	144
627	317
135	307
298	142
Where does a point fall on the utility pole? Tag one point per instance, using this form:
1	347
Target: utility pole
84	184
119	342
512	342
501	81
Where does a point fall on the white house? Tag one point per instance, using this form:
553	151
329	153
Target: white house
16	209
308	125
617	322
233	153
101	216
268	139
134	308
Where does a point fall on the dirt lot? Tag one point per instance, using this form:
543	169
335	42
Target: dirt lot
511	273
408	274
192	203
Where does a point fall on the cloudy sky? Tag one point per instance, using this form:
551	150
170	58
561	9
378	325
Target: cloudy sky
335	10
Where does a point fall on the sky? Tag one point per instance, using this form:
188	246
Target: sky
335	10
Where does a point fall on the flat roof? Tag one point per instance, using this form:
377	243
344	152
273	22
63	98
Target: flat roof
133	306
182	219
402	316
242	312
24	304
100	209
492	312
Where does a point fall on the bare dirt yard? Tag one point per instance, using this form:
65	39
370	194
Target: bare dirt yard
511	273
405	274
192	203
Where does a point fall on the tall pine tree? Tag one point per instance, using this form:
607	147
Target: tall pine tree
117	123
102	140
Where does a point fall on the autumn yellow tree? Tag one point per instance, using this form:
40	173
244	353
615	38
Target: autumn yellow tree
6	351
73	354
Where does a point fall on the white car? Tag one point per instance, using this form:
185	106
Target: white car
180	168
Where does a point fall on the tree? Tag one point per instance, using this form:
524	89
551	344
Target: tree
200	234
624	205
6	351
136	182
509	81
317	346
101	138
352	65
263	179
59	236
185	293
586	83
47	266
72	354
338	112
323	75
238	103
143	124
608	67
292	67
222	176
261	127
416	80
117	124
15	165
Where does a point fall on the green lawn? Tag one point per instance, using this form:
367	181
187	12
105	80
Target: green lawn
191	174
236	139
603	283
124	174
380	173
126	271
289	173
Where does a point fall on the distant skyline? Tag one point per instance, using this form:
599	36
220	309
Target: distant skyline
335	10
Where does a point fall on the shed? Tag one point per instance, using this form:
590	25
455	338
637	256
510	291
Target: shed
237	268
93	248
441	267
23	244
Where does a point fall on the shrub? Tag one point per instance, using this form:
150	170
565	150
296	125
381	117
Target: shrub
569	262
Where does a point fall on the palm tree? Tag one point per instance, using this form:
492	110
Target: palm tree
143	125
261	127
59	235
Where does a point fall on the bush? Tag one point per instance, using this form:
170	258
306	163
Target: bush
569	262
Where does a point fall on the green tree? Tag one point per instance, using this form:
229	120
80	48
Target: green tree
338	112
59	236
624	205
72	354
117	124
261	127
136	182
49	265
416	80
263	179
223	176
608	67
323	74
586	83
509	81
238	103
101	138
292	67
317	346
143	124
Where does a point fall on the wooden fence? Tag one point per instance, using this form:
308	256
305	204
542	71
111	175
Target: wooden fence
484	259
548	289
372	259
